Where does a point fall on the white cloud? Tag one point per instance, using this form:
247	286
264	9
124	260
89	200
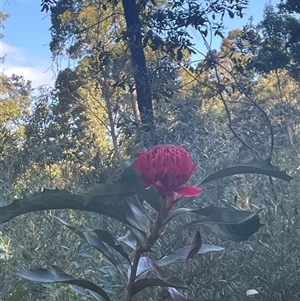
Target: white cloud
21	62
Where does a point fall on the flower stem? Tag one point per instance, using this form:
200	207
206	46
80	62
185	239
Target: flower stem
137	254
139	250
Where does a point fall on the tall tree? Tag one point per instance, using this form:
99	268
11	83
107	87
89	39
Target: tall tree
158	26
275	42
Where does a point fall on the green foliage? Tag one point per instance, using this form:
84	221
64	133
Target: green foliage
233	224
277	39
239	104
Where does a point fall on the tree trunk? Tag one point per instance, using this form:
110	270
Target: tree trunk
107	96
143	91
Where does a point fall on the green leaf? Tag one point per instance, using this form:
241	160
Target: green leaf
157	269
92	238
131	178
230	13
172	214
105	199
106	237
234	224
171	281
175	295
18	295
253	167
205	300
134	216
182	253
108	193
128	239
179	55
225	215
138	235
195	246
57	275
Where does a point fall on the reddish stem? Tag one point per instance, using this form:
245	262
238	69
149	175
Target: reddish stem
152	238
137	255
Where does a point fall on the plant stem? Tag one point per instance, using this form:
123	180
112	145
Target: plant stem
137	255
139	250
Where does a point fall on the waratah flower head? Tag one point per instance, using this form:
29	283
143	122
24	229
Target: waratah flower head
168	168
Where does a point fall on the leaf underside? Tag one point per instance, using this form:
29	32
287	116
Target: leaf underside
57	275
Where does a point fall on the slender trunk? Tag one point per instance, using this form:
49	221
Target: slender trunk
135	108
143	92
279	85
106	95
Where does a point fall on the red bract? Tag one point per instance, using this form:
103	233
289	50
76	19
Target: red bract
168	168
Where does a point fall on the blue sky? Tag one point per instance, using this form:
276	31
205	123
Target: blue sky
26	38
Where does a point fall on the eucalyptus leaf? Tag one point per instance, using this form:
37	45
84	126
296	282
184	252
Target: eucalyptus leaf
57	275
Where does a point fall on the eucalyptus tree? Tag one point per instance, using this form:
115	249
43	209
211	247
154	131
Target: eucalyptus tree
139	27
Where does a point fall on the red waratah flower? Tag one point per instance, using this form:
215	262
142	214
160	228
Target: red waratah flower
168	168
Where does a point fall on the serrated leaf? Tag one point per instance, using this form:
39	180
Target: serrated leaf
224	215
57	275
234	224
107	204
171	281
253	167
